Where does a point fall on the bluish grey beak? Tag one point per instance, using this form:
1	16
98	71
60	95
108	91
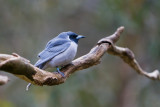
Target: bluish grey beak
80	36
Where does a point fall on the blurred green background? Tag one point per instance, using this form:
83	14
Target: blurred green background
27	25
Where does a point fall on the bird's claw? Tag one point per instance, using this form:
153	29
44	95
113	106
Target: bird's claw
63	75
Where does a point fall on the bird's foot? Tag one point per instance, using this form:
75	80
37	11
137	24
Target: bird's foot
63	75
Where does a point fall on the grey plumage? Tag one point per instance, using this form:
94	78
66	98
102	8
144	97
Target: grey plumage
52	49
59	51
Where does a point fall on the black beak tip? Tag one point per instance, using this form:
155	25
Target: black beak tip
83	36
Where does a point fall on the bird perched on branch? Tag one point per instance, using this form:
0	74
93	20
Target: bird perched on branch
59	51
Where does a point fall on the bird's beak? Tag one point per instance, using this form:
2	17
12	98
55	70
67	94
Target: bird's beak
80	36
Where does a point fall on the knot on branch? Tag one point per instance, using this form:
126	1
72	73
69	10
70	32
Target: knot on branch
112	38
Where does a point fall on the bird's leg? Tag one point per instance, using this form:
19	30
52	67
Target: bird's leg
60	72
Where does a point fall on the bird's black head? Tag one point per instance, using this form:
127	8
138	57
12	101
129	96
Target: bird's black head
74	37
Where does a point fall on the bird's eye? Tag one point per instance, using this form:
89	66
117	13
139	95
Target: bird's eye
74	36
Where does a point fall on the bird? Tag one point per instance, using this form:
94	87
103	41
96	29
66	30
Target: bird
58	52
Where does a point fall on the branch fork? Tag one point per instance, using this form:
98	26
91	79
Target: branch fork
23	69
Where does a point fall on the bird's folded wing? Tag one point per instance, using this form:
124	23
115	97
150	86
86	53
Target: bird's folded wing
53	49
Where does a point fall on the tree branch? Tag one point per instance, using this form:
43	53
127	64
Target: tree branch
22	68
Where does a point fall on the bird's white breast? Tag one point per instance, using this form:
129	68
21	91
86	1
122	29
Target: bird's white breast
64	58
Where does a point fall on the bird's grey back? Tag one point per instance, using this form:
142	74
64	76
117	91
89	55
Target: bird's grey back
53	48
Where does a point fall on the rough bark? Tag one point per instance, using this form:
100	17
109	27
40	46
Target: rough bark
23	69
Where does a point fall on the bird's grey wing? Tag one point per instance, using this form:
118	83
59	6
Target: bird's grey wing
54	46
52	49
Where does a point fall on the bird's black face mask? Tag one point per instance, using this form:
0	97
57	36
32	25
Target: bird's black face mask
75	37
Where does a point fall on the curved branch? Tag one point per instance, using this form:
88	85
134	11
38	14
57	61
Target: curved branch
22	68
